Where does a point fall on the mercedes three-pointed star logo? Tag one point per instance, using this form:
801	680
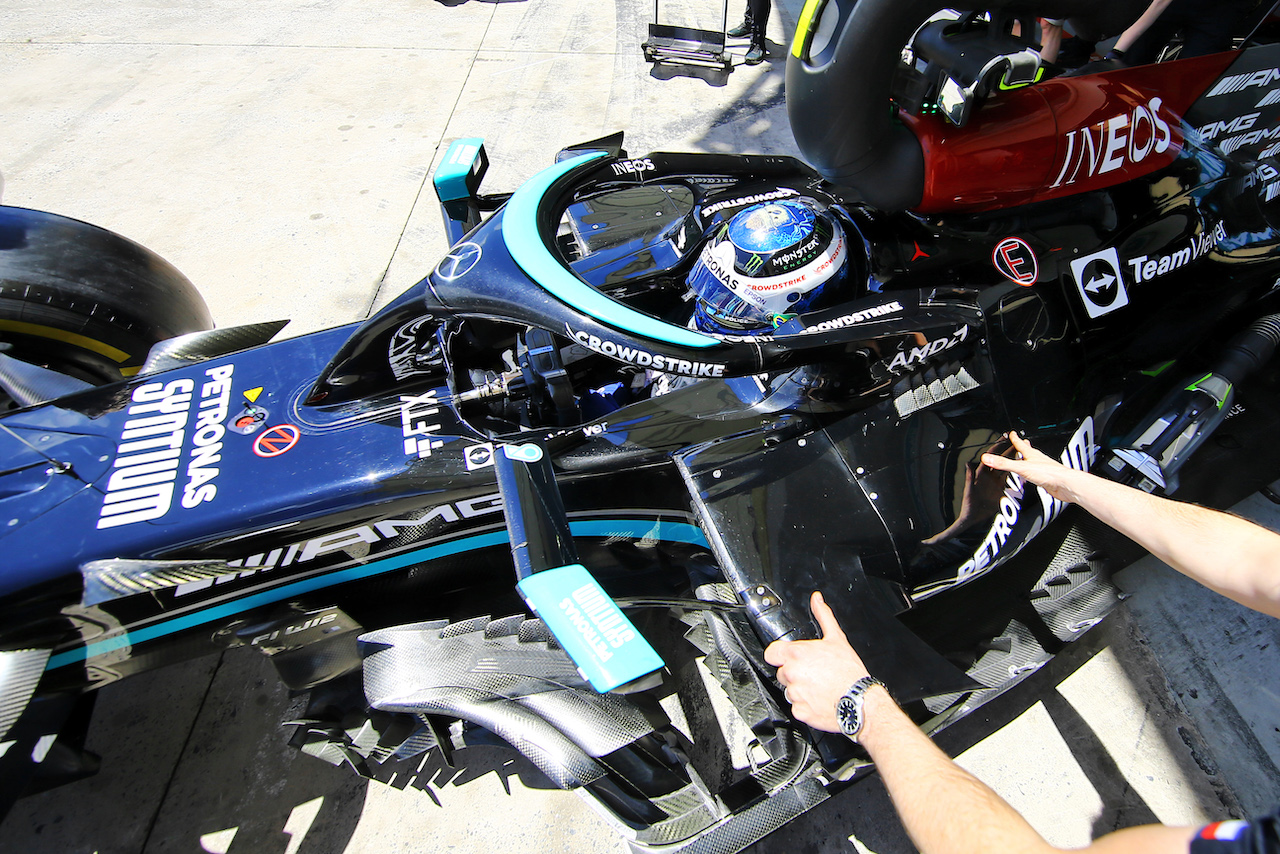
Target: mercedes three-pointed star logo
459	261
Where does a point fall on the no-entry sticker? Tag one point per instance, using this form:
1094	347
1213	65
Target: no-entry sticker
276	440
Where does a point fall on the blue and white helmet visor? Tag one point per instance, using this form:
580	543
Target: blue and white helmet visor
742	302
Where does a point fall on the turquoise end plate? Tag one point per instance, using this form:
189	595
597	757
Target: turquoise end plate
461	158
588	624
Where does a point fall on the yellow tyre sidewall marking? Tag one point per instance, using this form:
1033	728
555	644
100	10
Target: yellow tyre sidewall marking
82	341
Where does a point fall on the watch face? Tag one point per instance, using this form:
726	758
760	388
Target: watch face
849	713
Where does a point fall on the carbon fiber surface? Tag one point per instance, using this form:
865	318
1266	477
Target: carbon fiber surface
929	388
1075	591
681	829
404	660
20	671
751	825
28	384
598	723
500	674
790	767
198	346
554	754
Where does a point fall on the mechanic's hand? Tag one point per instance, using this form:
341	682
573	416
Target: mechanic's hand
816	673
1058	480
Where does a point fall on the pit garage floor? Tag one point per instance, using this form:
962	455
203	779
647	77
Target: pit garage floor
279	154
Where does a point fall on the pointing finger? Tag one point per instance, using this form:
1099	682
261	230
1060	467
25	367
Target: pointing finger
994	461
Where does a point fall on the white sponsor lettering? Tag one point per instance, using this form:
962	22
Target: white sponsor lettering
206	442
781	193
1239	123
797	253
1248	80
598	619
148	458
633	167
1235	142
584	627
856	318
1079	454
1146	267
755	339
605	614
146	465
1260	175
907	358
1113	143
352	540
832	257
998	535
1268	99
657	361
718	259
417	430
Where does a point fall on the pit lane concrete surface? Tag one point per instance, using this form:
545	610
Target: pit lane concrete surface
279	155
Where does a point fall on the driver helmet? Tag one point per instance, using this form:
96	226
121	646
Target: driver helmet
768	263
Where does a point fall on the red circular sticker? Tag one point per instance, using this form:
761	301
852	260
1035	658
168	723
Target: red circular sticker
276	440
1016	262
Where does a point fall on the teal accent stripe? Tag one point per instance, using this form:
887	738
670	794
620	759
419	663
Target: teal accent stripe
520	232
634	529
638	529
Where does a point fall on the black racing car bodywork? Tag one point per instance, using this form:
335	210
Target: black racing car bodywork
359	503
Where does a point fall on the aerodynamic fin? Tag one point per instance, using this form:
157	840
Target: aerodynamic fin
208	344
30	385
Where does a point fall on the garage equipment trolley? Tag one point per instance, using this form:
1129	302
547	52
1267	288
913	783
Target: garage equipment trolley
687	45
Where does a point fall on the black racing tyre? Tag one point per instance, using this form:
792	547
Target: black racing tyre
86	302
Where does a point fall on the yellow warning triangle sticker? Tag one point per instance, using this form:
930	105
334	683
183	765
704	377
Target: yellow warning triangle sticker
252	394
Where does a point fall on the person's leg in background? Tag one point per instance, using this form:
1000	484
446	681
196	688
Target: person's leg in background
758	11
745	27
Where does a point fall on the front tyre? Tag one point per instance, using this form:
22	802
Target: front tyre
86	302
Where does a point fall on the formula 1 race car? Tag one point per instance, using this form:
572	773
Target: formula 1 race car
567	488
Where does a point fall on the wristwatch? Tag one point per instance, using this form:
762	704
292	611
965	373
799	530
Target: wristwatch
849	707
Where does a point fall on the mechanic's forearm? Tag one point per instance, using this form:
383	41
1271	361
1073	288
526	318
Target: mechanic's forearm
945	809
1140	26
1050	43
1230	555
